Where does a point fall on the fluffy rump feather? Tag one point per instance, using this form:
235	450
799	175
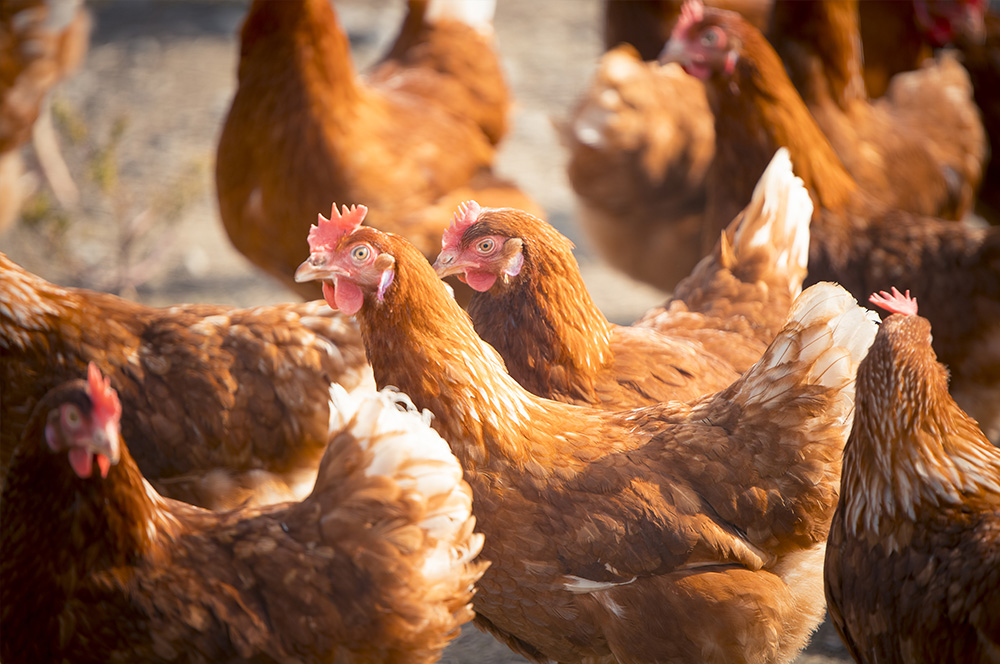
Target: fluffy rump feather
405	448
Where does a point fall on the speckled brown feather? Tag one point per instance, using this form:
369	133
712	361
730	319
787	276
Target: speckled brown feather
304	130
589	514
107	571
242	392
856	240
913	561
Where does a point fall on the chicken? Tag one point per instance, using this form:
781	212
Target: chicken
637	163
221	404
533	307
414	139
920	148
855	239
899	36
615	535
919	511
982	59
376	564
41	41
646	24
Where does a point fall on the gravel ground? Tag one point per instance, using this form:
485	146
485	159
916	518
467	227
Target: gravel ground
139	124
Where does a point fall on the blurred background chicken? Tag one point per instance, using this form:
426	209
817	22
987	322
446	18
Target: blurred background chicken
856	239
640	147
41	42
377	563
919	511
411	140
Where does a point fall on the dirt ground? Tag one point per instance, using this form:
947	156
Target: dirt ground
139	124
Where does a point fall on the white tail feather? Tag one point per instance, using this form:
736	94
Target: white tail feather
825	337
778	216
475	13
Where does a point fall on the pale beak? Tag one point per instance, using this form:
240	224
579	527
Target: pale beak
674	51
445	264
314	268
105	440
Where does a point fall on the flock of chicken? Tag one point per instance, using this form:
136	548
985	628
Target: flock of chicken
353	482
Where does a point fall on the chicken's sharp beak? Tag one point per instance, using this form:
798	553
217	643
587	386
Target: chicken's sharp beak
312	269
105	441
673	51
445	265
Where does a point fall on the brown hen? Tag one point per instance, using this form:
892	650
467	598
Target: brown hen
375	565
913	561
222	405
412	140
533	307
41	41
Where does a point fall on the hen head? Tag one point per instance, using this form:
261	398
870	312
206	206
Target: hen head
478	252
945	22
84	421
703	41
349	258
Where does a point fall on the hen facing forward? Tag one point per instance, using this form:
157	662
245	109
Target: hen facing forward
612	534
375	565
532	306
412	140
913	561
856	240
221	404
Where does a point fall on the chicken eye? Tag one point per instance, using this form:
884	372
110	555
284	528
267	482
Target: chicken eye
360	253
72	416
485	245
712	37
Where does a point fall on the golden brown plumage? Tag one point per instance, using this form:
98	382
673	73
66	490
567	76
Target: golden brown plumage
610	532
855	240
920	148
913	561
221	404
412	140
557	344
375	565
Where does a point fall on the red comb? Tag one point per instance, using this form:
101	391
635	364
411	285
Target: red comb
692	11
895	302
465	216
328	232
105	399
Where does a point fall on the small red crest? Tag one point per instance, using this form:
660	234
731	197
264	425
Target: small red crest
106	405
328	232
895	302
466	215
